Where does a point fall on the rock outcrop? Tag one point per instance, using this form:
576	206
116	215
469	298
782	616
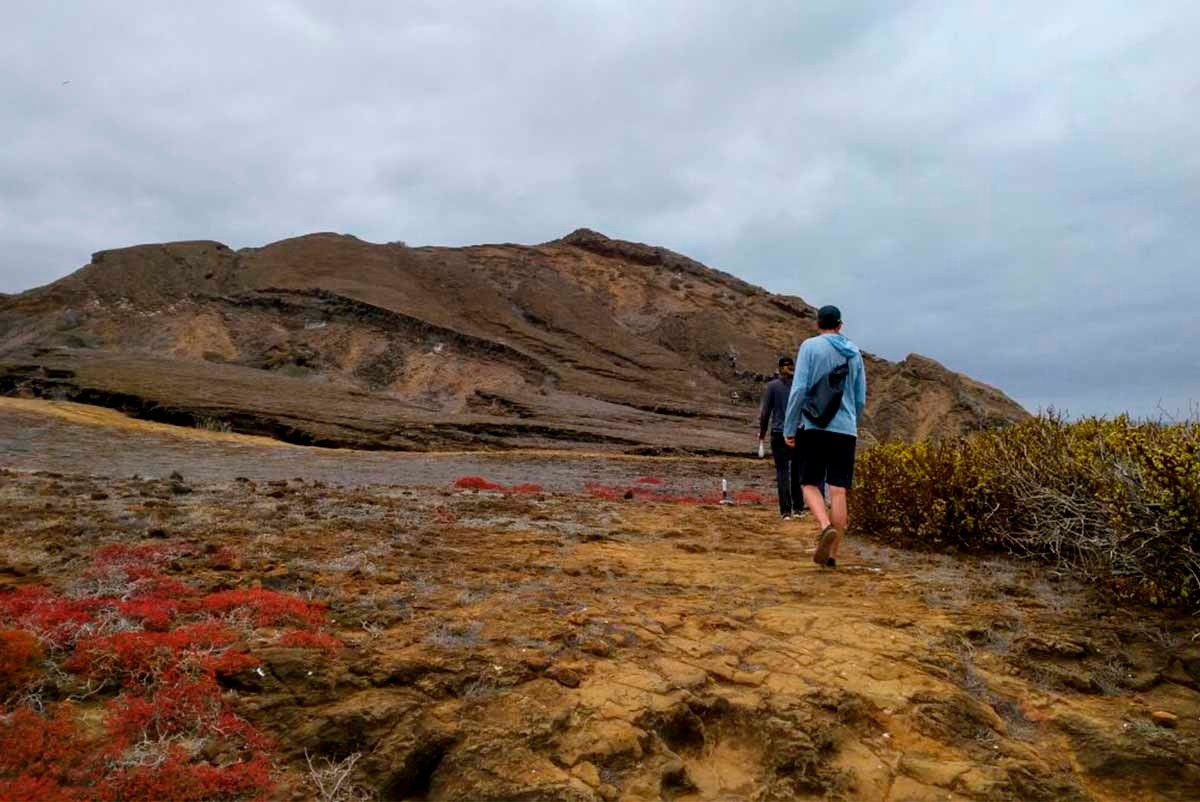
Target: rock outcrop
328	339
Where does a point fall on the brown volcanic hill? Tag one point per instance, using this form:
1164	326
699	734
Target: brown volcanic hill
331	340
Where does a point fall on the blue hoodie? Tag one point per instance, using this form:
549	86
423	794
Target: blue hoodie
819	355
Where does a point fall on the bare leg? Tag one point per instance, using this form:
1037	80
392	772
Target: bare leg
840	515
816	505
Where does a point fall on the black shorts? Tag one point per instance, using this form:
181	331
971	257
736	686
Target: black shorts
827	457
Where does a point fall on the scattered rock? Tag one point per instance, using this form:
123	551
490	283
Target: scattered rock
278	578
1144	681
1075	677
1031	781
588	773
17	570
1038	646
906	789
1164	719
596	646
1102	753
536	661
407	759
225	560
681	675
954	717
603	742
675	779
1184	670
1189	660
354	724
981	782
565	676
933	770
509	774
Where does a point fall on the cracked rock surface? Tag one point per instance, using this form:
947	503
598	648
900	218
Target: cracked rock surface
558	647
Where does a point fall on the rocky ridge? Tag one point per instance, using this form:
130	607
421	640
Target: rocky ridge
326	339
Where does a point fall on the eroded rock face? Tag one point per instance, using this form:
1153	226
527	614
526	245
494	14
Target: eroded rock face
583	342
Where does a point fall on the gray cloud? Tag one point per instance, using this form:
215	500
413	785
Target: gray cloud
1010	188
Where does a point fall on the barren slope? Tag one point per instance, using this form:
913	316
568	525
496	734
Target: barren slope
583	334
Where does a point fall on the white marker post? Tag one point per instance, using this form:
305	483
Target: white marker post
725	491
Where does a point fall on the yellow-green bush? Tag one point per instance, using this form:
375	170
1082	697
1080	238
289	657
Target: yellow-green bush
1110	499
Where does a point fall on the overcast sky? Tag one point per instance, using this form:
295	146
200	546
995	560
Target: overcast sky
1011	188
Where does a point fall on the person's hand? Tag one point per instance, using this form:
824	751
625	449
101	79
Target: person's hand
791	442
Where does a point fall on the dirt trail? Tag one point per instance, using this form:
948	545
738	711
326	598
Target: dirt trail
559	647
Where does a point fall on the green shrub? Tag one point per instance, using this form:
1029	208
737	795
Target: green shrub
1112	500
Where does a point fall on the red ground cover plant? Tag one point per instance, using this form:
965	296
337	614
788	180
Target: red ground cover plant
266	607
603	491
20	654
649	480
479	483
146	651
306	639
476	483
53	618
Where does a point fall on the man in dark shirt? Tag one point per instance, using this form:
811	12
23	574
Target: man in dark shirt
772	413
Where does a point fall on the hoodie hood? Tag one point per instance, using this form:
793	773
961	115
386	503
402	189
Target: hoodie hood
843	346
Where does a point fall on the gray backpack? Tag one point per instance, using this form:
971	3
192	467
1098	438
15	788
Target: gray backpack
824	396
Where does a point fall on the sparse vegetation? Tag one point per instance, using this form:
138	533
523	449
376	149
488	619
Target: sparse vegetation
1109	500
481	484
456	636
332	782
495	646
19	658
149	650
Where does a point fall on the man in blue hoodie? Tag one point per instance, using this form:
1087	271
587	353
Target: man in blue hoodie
828	450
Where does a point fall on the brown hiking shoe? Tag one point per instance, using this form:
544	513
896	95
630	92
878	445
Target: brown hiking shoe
823	543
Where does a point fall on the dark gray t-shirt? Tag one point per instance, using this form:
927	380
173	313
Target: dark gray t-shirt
774	406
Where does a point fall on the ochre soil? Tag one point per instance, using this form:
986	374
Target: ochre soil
559	647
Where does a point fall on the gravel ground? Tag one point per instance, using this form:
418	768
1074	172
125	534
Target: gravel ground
71	438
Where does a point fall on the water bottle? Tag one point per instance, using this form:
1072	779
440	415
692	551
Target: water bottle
762	451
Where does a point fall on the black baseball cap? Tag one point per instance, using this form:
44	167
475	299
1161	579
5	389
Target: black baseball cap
829	317
786	360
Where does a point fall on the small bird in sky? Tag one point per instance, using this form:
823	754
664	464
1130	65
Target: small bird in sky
64	83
